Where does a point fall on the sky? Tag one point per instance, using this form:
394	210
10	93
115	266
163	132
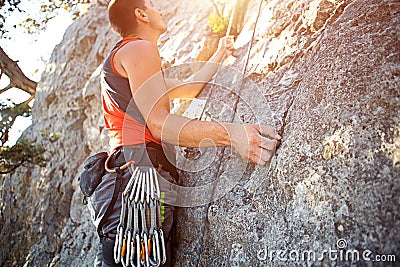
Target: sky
32	53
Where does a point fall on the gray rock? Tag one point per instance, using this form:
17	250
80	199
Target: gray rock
326	72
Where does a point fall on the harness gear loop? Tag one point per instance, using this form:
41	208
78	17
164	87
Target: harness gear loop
115	170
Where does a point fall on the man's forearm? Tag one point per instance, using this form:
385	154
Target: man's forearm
253	142
192	86
183	131
205	73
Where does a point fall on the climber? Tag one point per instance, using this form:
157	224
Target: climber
133	72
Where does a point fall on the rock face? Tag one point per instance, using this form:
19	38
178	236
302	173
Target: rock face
326	72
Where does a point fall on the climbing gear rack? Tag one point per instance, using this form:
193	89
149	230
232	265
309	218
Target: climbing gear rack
140	239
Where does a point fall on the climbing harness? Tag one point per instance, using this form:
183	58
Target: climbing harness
140	239
207	207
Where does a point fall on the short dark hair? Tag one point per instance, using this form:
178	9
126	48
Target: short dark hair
121	14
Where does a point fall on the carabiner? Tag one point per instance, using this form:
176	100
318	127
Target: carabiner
137	253
155	176
129	185
126	254
135	185
118	244
155	247
152	188
147	188
163	251
143	189
145	253
139	187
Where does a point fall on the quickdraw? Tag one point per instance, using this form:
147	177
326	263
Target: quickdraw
140	239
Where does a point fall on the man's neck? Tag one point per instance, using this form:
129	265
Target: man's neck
147	35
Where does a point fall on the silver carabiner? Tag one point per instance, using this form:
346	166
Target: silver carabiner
148	187
135	185
152	188
128	236
163	251
137	253
127	252
118	244
146	262
156	249
133	190
155	176
139	188
143	189
131	180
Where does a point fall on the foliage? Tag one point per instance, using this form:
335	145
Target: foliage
8	114
218	24
23	152
26	152
47	9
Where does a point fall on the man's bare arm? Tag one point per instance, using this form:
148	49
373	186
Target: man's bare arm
192	86
142	65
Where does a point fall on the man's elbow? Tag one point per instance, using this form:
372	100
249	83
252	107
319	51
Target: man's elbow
155	126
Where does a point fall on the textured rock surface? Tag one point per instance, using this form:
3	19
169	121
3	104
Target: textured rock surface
337	70
329	71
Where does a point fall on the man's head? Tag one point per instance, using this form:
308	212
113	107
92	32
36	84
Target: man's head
126	16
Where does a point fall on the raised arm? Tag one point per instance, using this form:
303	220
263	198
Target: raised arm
192	86
141	63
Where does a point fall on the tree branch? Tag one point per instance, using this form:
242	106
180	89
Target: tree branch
8	87
12	168
15	74
9	115
29	100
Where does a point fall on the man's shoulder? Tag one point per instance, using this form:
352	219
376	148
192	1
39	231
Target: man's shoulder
137	54
140	48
